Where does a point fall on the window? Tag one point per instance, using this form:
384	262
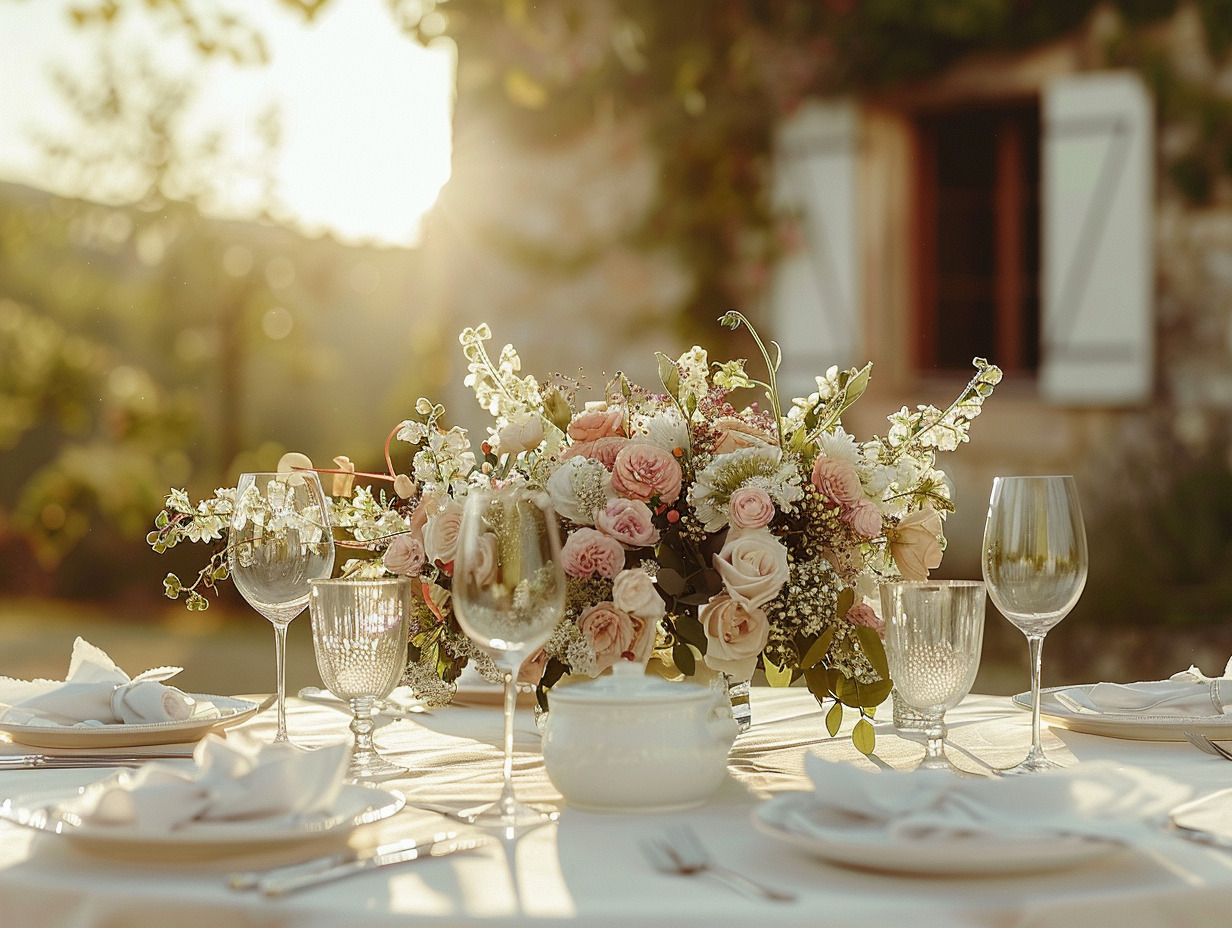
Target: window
978	237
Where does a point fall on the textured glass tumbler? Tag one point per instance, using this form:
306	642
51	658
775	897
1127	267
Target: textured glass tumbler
359	633
934	636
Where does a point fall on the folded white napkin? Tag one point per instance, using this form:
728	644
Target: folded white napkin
1188	693
97	692
230	781
1210	814
1098	799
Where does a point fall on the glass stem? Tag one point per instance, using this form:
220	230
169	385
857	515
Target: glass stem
934	746
362	726
280	658
507	802
1036	645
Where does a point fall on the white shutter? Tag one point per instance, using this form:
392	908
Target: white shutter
814	291
1098	273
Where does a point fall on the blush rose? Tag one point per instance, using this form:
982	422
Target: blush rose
589	553
837	479
629	522
441	532
609	631
753	565
643	471
735	635
404	556
750	507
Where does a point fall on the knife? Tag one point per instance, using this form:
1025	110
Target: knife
250	879
281	885
39	761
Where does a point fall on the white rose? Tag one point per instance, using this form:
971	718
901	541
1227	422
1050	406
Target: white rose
523	432
579	488
441	532
735	635
753	565
634	593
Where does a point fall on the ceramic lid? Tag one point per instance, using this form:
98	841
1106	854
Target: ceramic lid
629	683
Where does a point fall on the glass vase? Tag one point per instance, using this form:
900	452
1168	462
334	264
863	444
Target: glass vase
738	693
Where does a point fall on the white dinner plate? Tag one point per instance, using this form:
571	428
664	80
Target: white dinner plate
871	847
1131	726
357	804
231	710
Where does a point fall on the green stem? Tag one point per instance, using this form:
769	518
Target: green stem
772	388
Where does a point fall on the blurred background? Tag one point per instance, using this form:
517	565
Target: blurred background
230	229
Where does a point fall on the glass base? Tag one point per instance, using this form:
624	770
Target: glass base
509	816
373	767
1034	763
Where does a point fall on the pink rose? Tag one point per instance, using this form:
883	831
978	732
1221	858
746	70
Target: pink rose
603	450
837	479
531	671
441	532
643	471
484	566
597	421
609	631
735	434
753	565
735	635
863	614
864	518
915	543
634	594
404	556
427	505
628	521
751	507
588	553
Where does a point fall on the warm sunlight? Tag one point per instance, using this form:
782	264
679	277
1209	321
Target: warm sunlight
365	111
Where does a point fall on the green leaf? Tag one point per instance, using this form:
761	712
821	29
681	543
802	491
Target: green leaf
874	650
818	682
689	629
874	694
846	599
857	385
864	737
817	652
683	658
777	676
669	374
670	581
834	719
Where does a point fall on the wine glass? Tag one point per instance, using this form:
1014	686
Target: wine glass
279	540
359	632
934	634
1035	565
509	595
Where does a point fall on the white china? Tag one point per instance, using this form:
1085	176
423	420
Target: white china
872	847
356	805
231	711
1132	727
635	743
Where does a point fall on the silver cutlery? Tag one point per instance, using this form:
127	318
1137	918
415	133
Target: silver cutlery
251	879
48	761
304	876
680	851
1206	745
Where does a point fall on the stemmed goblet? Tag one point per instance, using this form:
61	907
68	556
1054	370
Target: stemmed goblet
279	539
1035	565
509	595
934	635
359	633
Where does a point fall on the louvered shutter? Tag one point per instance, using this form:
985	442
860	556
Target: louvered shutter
814	293
1098	271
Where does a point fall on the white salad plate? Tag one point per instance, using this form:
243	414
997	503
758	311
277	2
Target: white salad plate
800	821
232	711
356	805
1133	726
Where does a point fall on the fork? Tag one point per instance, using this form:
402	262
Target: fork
679	851
1206	745
36	761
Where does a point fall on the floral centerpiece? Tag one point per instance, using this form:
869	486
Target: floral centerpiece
697	532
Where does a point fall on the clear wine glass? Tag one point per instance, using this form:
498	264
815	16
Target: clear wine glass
934	636
509	595
279	540
1035	566
359	633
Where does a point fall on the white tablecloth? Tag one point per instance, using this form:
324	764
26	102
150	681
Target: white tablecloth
587	867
